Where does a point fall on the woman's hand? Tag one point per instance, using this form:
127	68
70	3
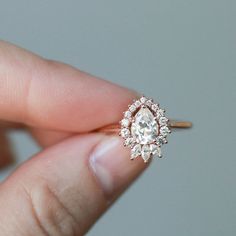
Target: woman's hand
66	187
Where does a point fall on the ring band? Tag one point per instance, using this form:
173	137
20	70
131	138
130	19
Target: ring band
173	124
145	128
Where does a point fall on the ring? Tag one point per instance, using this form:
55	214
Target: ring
145	128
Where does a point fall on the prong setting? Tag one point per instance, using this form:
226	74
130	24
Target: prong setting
144	129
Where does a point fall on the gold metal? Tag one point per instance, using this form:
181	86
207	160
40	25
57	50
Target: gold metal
180	124
173	124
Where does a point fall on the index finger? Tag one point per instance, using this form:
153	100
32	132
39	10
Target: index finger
52	95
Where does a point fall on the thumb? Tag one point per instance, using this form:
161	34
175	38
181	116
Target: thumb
64	189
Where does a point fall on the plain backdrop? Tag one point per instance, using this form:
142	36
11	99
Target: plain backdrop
183	54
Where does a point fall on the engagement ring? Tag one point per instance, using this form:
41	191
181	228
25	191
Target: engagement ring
145	128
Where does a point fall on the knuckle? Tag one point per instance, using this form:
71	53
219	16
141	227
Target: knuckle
49	212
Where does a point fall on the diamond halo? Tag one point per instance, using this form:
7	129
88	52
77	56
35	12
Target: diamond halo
144	128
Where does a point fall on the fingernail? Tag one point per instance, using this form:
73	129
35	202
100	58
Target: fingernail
111	164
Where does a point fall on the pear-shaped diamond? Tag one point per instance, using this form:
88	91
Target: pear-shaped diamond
144	128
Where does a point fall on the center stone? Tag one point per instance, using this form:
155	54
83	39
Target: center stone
144	128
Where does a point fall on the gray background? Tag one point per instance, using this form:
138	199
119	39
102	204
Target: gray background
183	54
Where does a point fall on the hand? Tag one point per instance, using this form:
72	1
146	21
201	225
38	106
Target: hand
78	174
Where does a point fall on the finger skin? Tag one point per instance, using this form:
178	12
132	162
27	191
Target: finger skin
6	152
66	188
51	95
47	138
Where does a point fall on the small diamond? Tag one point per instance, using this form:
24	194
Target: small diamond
137	103
164	140
163	120
146	152
156	151
149	103
128	142
161	140
125	123
132	108
158	141
160	112
164	130
143	99
124	133
128	114
136	151
154	107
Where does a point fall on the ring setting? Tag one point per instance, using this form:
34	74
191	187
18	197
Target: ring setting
144	128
